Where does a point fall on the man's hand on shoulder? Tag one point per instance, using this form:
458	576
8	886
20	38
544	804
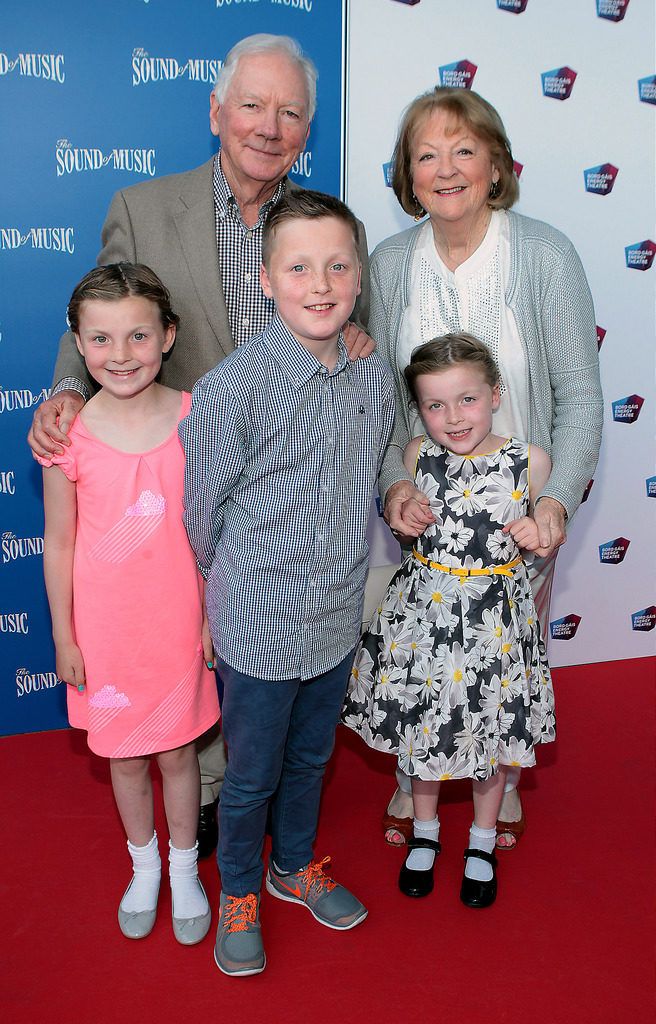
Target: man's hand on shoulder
357	341
52	421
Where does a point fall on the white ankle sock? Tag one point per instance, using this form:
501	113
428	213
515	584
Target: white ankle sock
147	868
189	900
480	839
422	860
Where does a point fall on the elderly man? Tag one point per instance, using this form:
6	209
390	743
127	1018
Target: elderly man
201	231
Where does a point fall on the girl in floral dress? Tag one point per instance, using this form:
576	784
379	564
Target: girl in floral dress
452	675
125	594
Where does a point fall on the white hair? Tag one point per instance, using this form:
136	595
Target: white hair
263	42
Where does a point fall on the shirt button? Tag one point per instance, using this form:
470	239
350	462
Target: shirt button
249	235
244	321
247	279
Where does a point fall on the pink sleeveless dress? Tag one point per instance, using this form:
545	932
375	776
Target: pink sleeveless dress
137	600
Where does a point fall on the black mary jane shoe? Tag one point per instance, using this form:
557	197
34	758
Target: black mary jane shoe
479	894
418	883
208	829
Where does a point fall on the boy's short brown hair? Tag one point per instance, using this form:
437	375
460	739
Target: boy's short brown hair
305	204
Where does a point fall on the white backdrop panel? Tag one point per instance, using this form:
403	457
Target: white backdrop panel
396	51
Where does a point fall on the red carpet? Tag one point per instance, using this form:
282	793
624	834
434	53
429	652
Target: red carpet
570	938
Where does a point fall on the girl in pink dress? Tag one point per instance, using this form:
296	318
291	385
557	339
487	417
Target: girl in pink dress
125	595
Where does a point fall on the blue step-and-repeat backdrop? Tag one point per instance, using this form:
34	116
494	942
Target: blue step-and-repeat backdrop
96	97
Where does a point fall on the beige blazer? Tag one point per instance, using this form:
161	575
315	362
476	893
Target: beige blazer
169	225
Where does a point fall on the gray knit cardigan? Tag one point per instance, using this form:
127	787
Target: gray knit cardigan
550	298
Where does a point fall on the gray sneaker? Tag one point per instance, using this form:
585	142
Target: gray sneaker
238	949
329	903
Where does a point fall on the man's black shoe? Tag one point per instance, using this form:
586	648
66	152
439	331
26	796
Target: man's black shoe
208	829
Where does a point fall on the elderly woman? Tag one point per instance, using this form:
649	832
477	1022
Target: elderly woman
515	283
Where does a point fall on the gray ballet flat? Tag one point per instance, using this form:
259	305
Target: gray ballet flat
190	930
135	924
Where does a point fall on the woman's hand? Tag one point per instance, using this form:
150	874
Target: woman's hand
357	341
526	536
407	510
69	665
52	422
549	517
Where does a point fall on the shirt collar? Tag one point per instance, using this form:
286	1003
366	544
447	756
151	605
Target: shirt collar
295	360
226	204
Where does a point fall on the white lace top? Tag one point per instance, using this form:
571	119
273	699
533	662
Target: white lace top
472	299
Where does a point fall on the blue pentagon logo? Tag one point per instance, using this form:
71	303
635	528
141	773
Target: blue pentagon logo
647	89
600	180
627	410
565	628
640	255
612	10
459	75
558	83
512	6
644	620
613	551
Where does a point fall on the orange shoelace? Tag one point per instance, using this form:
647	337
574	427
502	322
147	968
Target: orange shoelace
313	876
240	912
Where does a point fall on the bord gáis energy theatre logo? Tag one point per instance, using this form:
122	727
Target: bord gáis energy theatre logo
644	620
627	410
459	75
565	628
640	255
600	180
558	83
613	551
612	10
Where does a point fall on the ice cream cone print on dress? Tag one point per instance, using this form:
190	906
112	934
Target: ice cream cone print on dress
139	522
104	705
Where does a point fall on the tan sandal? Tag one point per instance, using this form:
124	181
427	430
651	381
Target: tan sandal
404	827
513	828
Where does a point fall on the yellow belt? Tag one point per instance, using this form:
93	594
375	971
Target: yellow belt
492	570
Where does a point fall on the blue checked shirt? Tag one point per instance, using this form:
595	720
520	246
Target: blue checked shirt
282	457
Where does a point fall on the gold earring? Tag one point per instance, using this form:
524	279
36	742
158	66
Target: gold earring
420	213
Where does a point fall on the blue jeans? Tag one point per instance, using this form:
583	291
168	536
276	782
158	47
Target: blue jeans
280	735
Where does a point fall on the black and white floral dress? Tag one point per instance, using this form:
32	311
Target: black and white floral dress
452	675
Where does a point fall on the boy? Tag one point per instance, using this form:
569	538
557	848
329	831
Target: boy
283	445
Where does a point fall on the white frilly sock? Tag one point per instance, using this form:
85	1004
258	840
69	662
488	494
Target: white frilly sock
422	860
142	894
480	839
189	900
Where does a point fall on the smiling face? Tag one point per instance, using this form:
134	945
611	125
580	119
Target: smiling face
313	275
263	123
456	405
452	171
122	343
